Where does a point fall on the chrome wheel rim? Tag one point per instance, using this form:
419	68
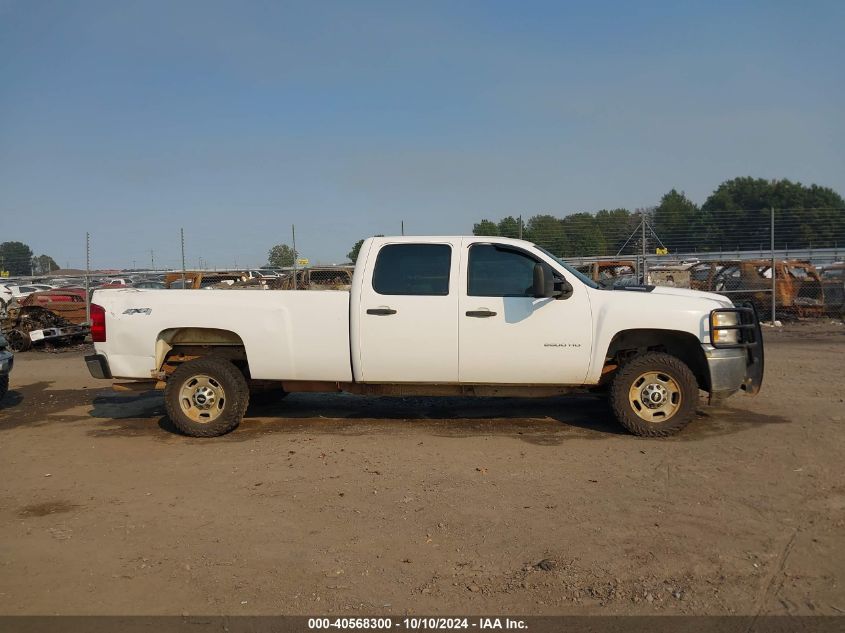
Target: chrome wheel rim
202	398
655	396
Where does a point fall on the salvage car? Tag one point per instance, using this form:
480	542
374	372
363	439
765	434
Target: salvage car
68	303
435	316
24	325
7	359
611	273
316	278
833	284
200	279
5	295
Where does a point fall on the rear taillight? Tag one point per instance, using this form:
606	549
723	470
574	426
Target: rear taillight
98	323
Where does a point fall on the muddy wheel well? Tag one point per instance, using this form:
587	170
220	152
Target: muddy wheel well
682	345
178	345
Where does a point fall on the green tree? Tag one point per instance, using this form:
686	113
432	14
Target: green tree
509	227
352	255
44	264
281	256
547	231
486	228
616	226
738	214
584	236
16	257
677	221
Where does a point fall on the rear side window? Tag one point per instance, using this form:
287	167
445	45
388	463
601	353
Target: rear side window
413	269
497	272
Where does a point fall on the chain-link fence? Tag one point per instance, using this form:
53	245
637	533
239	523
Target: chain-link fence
788	263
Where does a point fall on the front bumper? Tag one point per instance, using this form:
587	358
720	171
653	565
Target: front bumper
740	365
727	371
7	361
98	365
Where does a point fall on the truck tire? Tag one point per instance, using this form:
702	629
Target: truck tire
654	395
4	386
206	397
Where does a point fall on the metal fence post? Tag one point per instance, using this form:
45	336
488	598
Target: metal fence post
644	267
88	278
295	255
182	235
774	272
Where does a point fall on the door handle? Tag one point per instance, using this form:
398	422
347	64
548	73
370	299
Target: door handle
381	311
480	314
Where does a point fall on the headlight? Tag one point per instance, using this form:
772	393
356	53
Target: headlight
723	336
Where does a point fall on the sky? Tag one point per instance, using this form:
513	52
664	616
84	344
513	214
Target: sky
235	120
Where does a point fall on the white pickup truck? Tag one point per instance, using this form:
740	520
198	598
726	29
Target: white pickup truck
441	316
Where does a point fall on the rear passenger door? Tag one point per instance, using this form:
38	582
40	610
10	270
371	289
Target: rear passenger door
408	324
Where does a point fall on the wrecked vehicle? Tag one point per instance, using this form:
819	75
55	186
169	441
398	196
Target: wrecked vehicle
319	278
433	316
833	287
316	278
674	275
611	273
201	279
23	325
68	303
798	286
7	360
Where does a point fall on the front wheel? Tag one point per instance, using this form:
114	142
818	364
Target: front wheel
206	397
4	386
654	395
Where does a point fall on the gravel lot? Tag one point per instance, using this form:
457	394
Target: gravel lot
376	506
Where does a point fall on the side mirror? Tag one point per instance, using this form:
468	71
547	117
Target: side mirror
540	286
546	285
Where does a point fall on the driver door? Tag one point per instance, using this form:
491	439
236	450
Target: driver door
506	336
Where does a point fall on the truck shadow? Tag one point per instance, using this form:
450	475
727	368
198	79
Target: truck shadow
541	421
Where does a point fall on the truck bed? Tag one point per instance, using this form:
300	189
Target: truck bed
291	335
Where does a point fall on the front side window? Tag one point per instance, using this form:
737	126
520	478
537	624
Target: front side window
499	272
413	269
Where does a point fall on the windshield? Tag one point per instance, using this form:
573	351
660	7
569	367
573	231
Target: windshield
581	276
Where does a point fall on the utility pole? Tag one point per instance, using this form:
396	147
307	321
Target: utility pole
88	278
182	235
520	226
153	259
403	227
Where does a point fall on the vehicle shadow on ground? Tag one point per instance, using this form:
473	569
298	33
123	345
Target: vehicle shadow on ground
36	404
11	399
541	421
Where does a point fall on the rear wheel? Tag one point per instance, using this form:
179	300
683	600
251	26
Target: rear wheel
4	386
654	395
206	397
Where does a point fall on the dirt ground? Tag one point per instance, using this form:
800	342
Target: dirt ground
338	504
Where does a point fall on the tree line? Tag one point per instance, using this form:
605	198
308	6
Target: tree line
736	216
17	259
